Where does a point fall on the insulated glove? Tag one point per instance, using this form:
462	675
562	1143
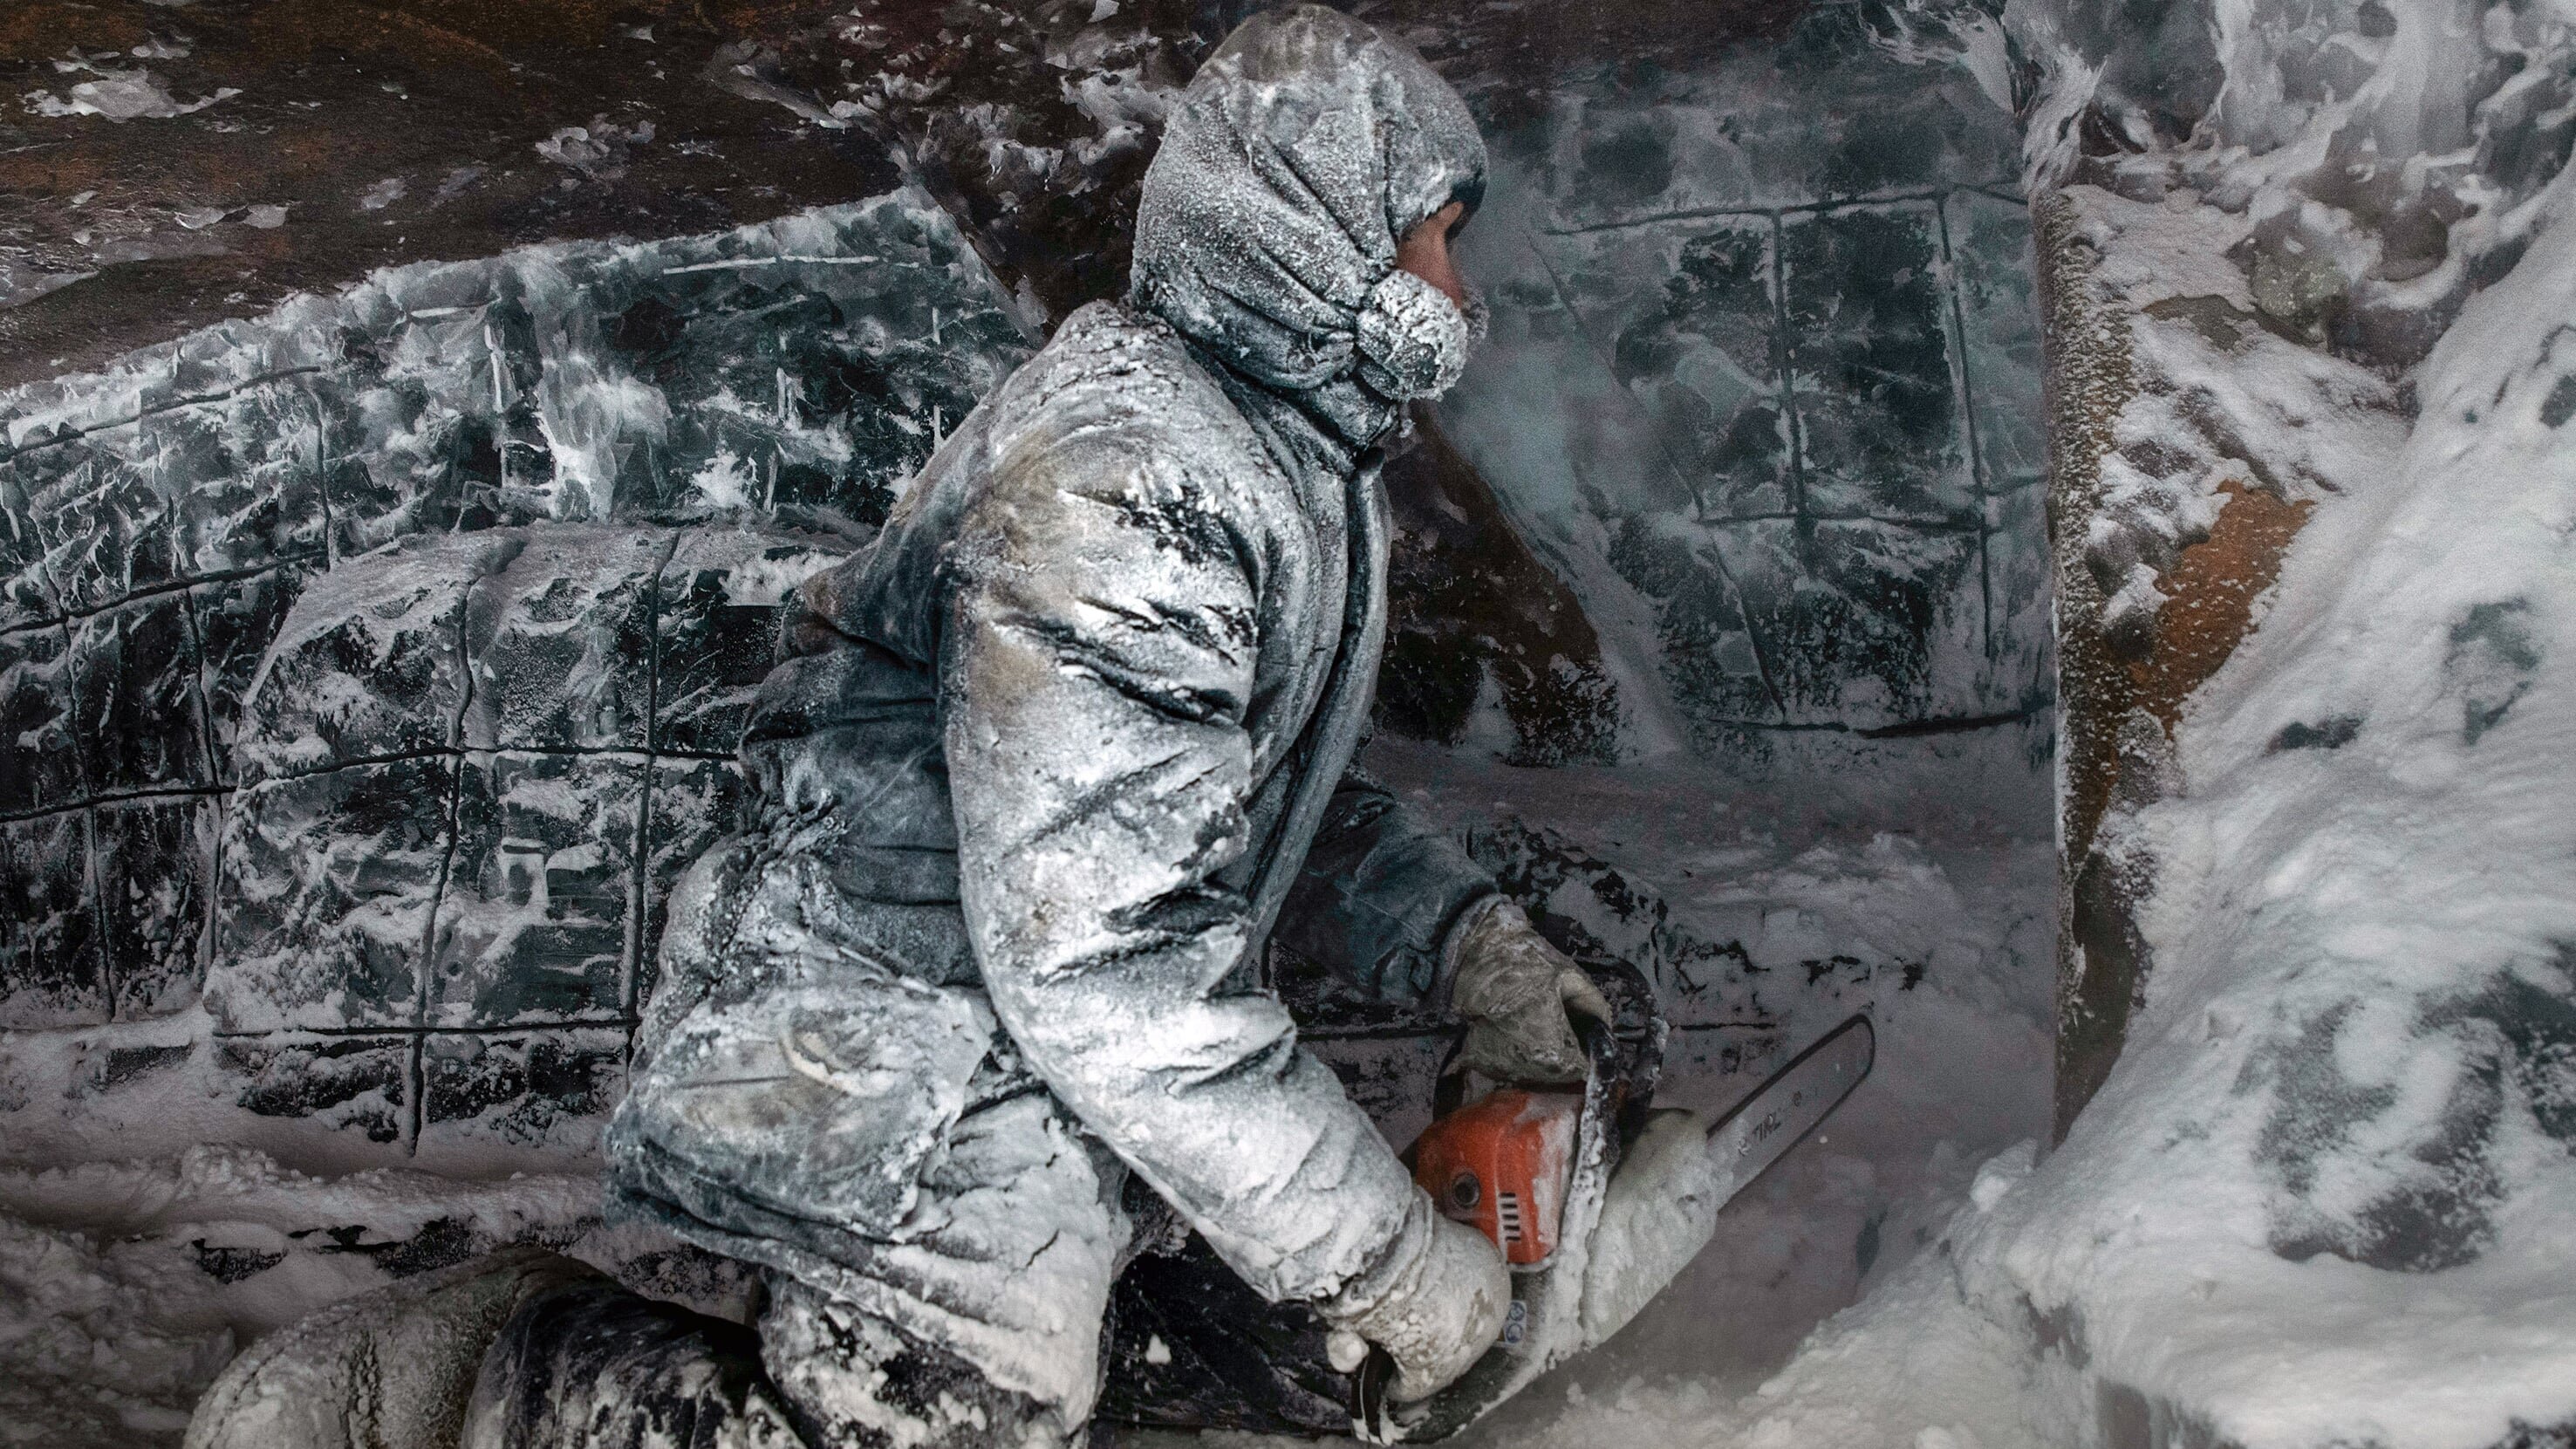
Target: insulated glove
1434	1300
1518	994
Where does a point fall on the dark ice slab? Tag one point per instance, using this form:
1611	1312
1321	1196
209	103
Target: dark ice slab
1697	350
1824	112
325	895
245	354
245	469
155	869
809	371
40	765
134	678
1992	270
1880	423
561	639
535	920
393	462
236	621
1852	615
2021	668
107	526
1713	659
26	590
370	665
1757	317
52	968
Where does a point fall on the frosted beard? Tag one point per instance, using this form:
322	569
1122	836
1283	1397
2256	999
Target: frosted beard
1413	342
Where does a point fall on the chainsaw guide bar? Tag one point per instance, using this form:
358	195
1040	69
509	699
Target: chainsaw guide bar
1783	1110
1548	1321
1191	1346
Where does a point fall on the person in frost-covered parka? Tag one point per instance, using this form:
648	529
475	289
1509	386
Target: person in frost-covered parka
1046	766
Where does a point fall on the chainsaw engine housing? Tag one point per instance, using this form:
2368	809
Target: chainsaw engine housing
1500	1166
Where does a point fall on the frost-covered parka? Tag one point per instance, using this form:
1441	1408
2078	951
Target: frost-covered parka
1056	754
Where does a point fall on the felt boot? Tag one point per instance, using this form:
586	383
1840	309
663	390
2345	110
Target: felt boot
389	1369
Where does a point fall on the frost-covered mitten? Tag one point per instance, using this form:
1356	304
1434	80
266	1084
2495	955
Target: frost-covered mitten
1519	995
1434	1300
391	1367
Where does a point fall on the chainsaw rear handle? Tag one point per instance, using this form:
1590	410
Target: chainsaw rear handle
1372	1383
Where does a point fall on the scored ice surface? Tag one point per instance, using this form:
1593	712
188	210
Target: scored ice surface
1993	267
327	885
154	878
52	970
535	920
809	367
1744	318
104	527
1881	427
1697	353
1850	614
236	621
561	638
370	662
26	589
275	543
40	765
135	681
244	472
2020	671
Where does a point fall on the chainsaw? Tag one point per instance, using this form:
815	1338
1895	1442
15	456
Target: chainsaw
1563	1182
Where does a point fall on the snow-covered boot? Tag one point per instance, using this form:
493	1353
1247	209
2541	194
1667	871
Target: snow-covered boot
595	1366
390	1369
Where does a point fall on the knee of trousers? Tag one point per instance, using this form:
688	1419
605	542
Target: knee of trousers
850	1378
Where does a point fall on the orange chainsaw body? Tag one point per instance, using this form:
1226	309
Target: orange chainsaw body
1501	1165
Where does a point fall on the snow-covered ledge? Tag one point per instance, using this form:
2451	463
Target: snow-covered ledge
2324	1192
2194	438
2311	284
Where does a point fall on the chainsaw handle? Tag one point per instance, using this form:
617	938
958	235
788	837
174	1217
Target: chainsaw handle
1371	1421
1600	1051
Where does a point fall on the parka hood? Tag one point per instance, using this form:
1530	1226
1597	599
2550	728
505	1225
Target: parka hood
1305	147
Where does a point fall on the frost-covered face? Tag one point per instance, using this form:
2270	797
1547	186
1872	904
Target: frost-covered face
1283	223
1425	253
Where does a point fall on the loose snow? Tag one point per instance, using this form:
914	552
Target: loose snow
117	1251
1961	1083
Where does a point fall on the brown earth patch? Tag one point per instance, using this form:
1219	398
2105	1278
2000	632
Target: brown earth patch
2212	590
